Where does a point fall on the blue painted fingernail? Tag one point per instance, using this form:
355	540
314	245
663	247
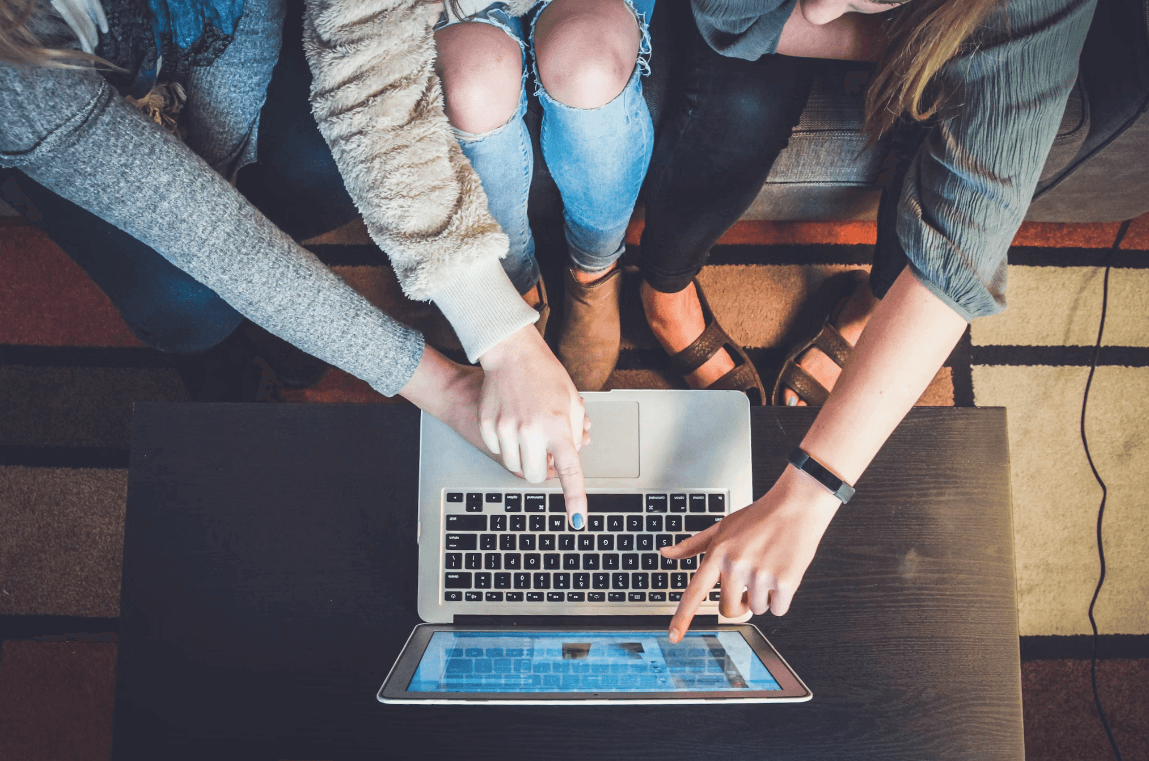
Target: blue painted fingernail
577	521
792	401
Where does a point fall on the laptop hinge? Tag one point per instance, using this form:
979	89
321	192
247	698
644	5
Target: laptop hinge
576	622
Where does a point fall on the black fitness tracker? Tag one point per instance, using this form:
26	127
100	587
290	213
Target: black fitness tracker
816	470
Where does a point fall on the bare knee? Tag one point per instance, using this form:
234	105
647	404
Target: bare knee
481	68
586	50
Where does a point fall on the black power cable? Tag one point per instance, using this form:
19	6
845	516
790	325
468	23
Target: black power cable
1104	491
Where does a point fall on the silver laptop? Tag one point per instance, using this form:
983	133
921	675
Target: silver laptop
663	465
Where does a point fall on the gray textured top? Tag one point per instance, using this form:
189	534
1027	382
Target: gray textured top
970	185
72	133
746	29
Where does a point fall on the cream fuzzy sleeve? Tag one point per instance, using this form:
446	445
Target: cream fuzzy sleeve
379	105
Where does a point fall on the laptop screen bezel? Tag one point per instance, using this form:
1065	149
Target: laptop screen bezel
394	689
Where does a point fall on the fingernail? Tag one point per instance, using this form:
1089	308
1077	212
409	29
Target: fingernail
792	401
577	521
674	634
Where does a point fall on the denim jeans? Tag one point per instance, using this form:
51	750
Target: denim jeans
597	157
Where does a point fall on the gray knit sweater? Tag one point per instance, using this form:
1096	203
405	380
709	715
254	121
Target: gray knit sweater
378	102
969	186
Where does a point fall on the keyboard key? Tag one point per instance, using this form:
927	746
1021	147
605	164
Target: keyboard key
532	561
650	561
657	596
537	523
474	502
493	597
492	561
654	523
605	543
630	561
674	523
498	522
454	560
454	496
614	503
620	581
697	503
561	580
689	564
488	541
636	597
590	562
483	580
556	596
507	542
570	561
680	538
518	523
556	523
455	596
715	596
717	503
663	540
582	581
527	542
542	580
513	503
472	561
640	581
678	503
522	580
668	564
626	543
457	580
701	522
659	580
535	597
644	542
535	503
456	523
656	503
502	580
494	497
596	523
600	580
566	542
585	542
678	581
473	596
675	596
610	562
557	504
615	522
611	597
595	597
551	561
512	561
576	596
462	541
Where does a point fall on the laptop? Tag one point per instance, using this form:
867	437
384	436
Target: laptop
521	608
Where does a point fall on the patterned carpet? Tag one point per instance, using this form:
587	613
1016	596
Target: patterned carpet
70	370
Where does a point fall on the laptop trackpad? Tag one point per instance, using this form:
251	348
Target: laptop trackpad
613	451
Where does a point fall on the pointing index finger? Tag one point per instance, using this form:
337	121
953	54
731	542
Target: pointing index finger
569	470
703	581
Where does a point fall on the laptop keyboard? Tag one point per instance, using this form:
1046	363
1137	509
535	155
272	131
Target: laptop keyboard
517	547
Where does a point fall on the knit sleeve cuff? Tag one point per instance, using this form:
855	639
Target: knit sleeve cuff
483	307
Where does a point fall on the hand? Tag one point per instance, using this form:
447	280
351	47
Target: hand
763	549
531	414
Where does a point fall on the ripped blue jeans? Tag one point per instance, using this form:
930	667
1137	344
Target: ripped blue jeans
597	157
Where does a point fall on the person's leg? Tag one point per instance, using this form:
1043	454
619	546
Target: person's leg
295	181
709	164
481	64
596	138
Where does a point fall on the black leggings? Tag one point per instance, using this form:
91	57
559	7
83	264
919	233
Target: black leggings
731	120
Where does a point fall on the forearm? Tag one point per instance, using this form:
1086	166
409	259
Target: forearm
904	344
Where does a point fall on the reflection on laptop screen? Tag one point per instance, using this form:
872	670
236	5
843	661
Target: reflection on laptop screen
577	662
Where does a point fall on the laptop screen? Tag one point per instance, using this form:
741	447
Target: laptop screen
578	662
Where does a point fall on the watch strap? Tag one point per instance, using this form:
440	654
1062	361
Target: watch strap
801	460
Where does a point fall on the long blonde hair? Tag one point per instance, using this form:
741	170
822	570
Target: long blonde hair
23	24
923	35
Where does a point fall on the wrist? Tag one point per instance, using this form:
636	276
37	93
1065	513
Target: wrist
429	386
511	349
796	485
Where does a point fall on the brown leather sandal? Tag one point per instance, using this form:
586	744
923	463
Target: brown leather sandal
823	336
742	378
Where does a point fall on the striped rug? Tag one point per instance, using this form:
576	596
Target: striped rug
70	370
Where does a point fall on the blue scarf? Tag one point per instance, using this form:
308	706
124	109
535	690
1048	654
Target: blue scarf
185	20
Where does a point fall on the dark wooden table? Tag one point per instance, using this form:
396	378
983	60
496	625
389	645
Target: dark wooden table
269	584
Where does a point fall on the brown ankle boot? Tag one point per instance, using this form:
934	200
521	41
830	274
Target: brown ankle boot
588	346
543	308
